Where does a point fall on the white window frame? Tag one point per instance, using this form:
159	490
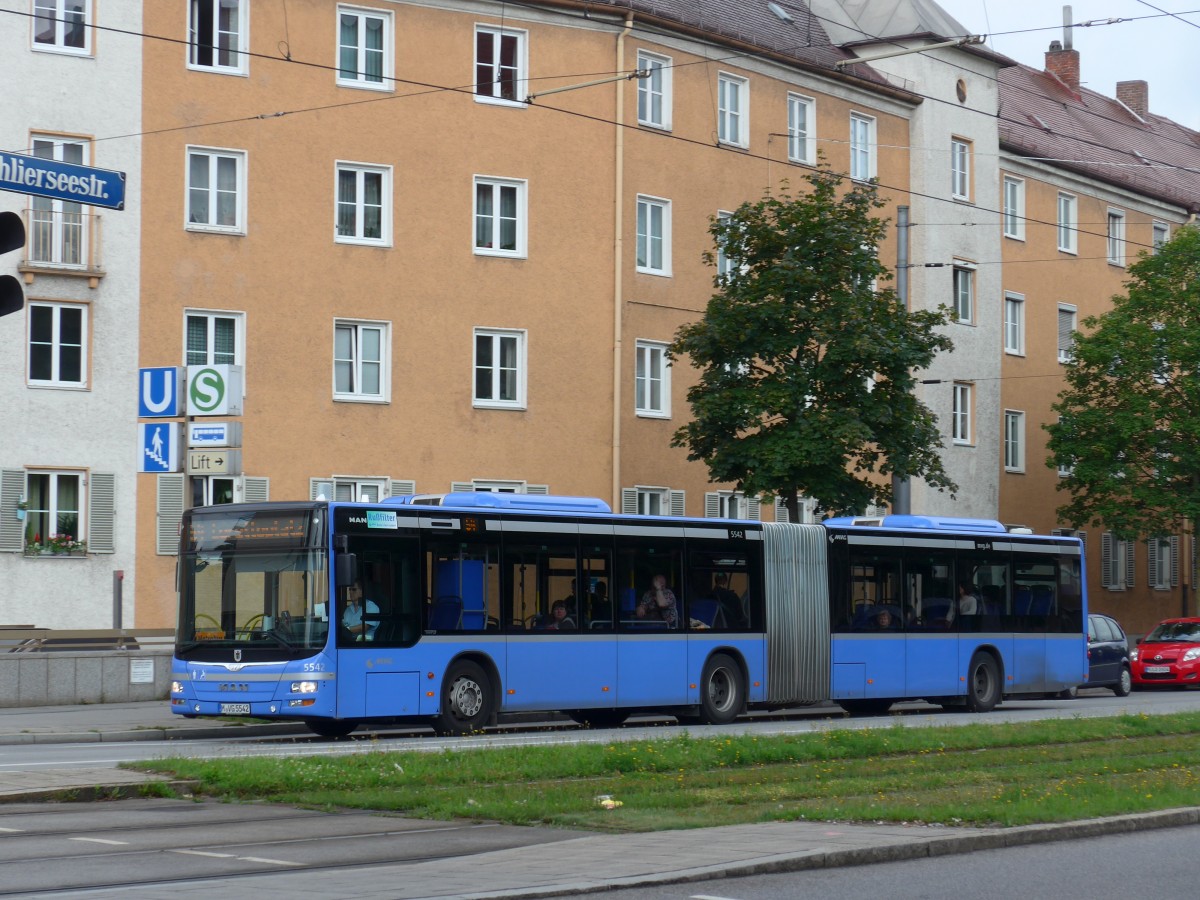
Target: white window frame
58	231
1065	353
1160	234
1014	440
731	505
1115	236
1014	208
361	171
733	109
358	77
57	348
57	14
657	86
241	37
498	336
213	189
494	88
652	369
963	280
357	486
802	142
862	147
1162	563
1116	563
1068	223
960	415
52	508
650	236
1014	323
960	169
211	315
358	330
647	500
494	219
725	265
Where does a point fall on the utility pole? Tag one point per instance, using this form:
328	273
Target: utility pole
901	488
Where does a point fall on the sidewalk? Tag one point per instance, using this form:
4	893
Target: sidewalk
579	865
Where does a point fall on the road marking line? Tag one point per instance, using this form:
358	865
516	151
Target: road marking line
12	830
203	853
273	862
100	841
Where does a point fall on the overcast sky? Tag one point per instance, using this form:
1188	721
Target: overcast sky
1156	48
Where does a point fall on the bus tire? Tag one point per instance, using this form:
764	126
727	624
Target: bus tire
722	690
466	700
331	728
599	718
983	683
865	707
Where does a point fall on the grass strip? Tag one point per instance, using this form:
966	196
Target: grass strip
979	774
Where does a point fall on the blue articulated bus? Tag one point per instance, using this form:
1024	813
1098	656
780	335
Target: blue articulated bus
456	609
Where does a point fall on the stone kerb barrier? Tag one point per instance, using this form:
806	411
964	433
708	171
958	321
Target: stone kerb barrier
48	667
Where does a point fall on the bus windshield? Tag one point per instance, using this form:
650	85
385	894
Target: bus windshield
251	583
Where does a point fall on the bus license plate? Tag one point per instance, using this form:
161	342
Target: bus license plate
1157	670
235	709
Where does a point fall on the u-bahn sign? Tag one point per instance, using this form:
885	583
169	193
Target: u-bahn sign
61	181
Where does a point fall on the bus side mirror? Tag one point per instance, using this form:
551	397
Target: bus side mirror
345	569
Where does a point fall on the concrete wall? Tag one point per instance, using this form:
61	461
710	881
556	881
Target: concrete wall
67	678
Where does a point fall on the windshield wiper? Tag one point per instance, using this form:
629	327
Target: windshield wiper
281	640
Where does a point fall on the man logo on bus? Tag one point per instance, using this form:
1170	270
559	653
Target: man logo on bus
207	390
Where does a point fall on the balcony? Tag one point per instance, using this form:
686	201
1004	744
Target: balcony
62	241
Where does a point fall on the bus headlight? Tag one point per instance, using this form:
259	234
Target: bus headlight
176	687
304	687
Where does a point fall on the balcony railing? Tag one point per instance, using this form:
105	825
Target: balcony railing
62	241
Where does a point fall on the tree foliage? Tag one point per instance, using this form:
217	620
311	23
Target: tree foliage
1129	428
806	357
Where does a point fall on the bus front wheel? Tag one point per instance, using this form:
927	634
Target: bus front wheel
983	683
466	700
331	728
722	691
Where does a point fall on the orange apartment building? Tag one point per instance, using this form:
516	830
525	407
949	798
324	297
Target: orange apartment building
428	282
1089	182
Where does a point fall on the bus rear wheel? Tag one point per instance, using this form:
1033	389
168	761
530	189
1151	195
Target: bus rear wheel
332	728
466	700
722	690
983	683
599	718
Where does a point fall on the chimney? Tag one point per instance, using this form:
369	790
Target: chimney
1135	95
1062	59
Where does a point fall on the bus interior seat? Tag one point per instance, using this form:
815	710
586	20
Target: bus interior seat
1022	600
706	611
629	601
1041	602
446	614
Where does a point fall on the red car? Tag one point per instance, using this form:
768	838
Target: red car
1169	656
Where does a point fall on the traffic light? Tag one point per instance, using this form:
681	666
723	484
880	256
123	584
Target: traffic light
12	237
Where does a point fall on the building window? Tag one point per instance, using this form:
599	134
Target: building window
213	339
1116	562
57	228
724	264
360	361
960	169
216	190
499	65
62	25
731	505
1066	328
654	91
960	414
733	98
500	206
53	503
1014	441
1162	234
653	236
862	147
1014	324
964	292
363	204
57	344
1014	208
652	501
1068	224
364	48
499	369
802	129
1163	562
652	387
1116	237
216	35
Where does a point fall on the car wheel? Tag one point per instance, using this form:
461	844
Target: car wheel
1124	684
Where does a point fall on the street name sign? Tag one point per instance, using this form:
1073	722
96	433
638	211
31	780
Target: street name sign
61	181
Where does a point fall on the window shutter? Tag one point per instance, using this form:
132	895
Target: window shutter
1129	567
629	501
1174	560
1107	576
461	487
1066	320
403	488
1152	562
320	488
712	505
12	487
678	507
537	489
170	512
753	508
781	511
256	489
102	509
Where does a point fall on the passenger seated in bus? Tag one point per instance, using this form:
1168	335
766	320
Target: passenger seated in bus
352	615
560	619
659	603
884	620
968	599
731	603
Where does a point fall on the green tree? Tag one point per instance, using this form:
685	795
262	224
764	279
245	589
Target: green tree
806	357
1129	427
